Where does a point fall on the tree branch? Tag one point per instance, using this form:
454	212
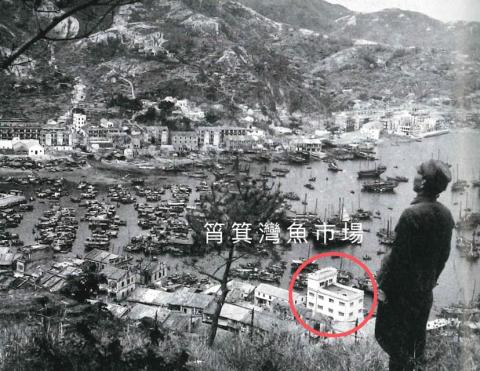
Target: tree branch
42	33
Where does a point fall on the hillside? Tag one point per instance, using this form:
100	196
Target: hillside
285	57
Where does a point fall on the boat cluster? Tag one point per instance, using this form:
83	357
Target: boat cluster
53	165
57	227
254	271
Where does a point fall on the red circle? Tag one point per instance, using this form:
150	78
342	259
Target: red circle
327	334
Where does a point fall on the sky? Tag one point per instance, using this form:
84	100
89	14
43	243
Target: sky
445	10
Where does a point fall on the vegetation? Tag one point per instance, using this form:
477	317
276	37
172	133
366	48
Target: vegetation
243	203
84	286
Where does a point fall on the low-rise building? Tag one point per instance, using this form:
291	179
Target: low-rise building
188	302
327	297
266	295
306	145
33	257
102	259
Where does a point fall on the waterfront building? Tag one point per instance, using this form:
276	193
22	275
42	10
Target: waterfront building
19	128
56	137
306	145
239	143
184	140
266	295
209	137
327	297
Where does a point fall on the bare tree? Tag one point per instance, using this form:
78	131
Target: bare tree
242	202
58	20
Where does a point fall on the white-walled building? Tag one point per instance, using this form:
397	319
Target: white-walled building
79	121
326	296
266	294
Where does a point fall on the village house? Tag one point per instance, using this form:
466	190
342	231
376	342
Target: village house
150	297
266	294
33	257
54	279
326	296
188	302
151	272
120	282
236	318
102	259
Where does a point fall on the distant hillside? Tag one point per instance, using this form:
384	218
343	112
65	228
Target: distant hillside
317	15
308	57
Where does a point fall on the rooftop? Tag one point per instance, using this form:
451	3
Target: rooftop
113	273
343	292
185	298
101	256
149	297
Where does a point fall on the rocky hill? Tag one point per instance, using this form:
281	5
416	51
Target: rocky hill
284	57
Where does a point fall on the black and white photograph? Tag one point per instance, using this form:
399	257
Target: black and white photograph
239	185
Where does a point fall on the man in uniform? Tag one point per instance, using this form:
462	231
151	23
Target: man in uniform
411	270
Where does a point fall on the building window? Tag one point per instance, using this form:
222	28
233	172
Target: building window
330	300
350	314
341	314
320	297
330	310
311	294
351	304
310	304
342	304
320	307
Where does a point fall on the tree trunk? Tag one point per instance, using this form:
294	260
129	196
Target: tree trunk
221	299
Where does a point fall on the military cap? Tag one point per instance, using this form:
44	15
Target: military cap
436	175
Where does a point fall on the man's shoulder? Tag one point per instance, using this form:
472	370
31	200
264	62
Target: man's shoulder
421	209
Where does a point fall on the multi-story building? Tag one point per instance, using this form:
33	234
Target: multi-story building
242	142
184	140
209	137
120	282
327	297
79	119
19	128
56	136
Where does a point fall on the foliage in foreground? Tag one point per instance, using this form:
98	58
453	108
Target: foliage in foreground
47	336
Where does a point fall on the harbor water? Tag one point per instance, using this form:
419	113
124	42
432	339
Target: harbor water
460	281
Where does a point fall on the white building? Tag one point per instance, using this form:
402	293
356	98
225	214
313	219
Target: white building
266	294
35	149
326	296
79	120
